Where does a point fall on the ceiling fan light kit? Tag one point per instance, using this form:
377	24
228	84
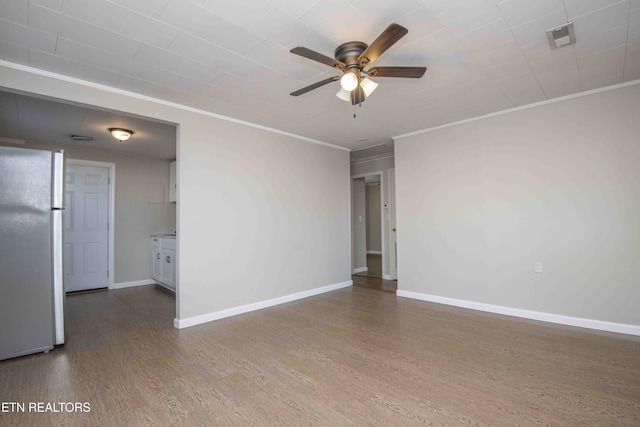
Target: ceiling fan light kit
349	81
351	58
368	86
345	95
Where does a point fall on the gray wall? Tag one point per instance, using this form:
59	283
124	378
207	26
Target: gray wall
135	219
374	238
480	202
358	224
260	214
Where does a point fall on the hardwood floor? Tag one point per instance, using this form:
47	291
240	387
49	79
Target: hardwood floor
374	267
375	283
354	356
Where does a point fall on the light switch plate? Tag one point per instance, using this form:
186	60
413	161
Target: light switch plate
537	267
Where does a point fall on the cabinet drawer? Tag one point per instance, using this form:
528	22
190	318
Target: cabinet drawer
155	242
169	244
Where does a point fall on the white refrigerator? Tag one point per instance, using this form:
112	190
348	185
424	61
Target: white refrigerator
31	276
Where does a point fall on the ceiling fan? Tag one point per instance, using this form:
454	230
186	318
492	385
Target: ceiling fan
352	57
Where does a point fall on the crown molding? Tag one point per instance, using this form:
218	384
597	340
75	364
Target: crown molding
523	107
86	83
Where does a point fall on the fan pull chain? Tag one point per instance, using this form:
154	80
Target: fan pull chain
354	109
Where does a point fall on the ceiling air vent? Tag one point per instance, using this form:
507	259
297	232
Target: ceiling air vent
81	138
561	36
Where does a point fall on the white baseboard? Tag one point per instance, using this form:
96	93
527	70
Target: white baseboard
600	325
359	270
374	252
166	286
132	284
387	277
216	315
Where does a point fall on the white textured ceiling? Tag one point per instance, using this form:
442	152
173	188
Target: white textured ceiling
232	57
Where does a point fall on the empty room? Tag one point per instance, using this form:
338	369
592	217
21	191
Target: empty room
319	212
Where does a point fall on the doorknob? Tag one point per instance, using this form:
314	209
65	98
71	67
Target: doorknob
394	229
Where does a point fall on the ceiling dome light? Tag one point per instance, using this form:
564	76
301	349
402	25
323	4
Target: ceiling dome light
349	81
368	86
121	134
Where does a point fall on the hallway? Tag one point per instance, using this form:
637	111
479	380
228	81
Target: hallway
374	267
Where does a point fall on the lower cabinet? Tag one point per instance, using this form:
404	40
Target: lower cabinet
164	261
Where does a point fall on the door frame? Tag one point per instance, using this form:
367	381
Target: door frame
385	251
111	234
393	237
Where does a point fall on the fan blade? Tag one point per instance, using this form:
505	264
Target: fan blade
388	38
315	56
406	72
314	86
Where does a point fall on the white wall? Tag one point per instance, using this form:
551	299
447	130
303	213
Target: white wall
261	215
374	238
480	202
135	219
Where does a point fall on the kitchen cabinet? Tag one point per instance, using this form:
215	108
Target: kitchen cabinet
163	250
173	184
157	263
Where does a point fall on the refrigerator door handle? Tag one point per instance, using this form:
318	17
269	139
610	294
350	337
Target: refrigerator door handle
58	276
57	180
57	205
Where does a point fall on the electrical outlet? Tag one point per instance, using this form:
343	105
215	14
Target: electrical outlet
537	267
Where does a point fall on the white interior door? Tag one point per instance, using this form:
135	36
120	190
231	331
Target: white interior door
86	228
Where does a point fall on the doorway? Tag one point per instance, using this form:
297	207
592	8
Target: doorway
87	230
371	234
367	225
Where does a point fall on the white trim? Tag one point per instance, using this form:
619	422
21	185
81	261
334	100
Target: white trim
600	325
374	252
523	107
387	277
106	88
166	286
383	219
360	270
216	315
393	257
112	213
124	285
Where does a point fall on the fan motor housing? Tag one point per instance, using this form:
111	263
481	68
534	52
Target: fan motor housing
349	52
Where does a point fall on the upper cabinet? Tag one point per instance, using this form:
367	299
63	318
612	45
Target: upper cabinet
173	184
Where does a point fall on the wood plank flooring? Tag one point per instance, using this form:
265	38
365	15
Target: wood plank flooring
374	267
355	356
375	283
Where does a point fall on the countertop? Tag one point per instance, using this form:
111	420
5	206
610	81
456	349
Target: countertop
164	236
